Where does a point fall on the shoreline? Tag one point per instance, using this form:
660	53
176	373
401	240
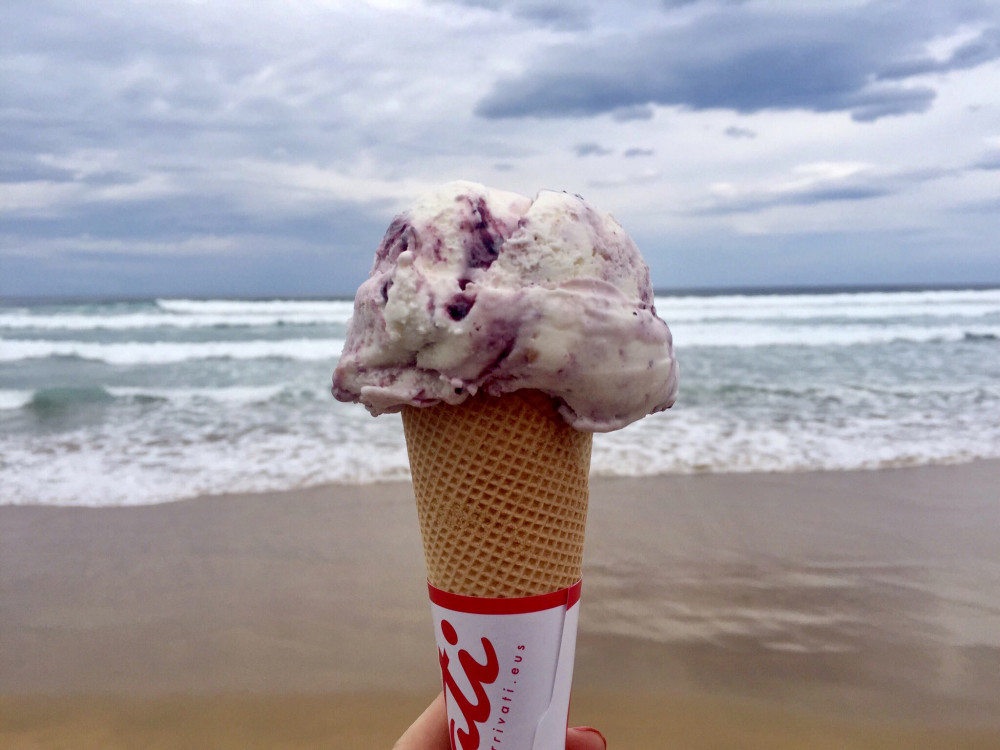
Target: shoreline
820	609
378	486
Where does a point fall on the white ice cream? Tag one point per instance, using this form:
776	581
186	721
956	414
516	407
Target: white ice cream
478	289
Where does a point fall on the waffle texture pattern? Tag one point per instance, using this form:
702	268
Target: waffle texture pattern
501	485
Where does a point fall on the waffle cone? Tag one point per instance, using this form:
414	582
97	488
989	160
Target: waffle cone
501	486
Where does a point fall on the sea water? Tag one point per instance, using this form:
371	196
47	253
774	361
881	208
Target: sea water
118	402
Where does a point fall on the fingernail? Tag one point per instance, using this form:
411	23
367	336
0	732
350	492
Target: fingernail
594	731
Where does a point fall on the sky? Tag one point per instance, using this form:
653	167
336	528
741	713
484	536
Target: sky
219	147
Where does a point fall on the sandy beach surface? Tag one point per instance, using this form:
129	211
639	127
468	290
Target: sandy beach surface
815	610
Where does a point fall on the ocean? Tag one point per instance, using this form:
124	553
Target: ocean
126	402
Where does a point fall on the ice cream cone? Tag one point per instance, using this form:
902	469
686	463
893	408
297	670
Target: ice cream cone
501	485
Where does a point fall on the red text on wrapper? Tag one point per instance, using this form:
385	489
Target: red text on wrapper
506	699
478	674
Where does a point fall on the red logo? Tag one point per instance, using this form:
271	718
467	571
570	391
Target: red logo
474	711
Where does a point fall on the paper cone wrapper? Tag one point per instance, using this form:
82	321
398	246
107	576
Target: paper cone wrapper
501	485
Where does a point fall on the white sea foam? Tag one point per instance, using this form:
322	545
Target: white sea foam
15	399
183	314
138	463
844	308
137	321
268	448
161	352
686	336
985	299
191	314
241	395
697	442
743	335
320	309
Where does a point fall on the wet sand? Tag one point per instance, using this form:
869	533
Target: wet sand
823	610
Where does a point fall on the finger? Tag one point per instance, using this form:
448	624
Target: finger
585	738
429	731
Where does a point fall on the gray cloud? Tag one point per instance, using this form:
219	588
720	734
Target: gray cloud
754	201
989	161
817	185
751	58
989	207
553	13
646	177
263	147
18	167
206	245
591	149
85	77
736	132
983	49
635	112
674	4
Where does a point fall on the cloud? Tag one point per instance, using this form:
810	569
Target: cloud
552	13
736	132
242	263
990	161
984	48
49	184
988	206
860	59
85	245
645	177
671	4
635	112
811	184
275	139
591	149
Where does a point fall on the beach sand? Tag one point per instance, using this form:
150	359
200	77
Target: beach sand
816	610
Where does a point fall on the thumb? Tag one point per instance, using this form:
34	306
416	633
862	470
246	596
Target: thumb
429	731
585	738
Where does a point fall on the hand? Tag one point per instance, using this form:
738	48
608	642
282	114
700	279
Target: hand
430	732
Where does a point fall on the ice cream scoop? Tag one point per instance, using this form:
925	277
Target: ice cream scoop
480	290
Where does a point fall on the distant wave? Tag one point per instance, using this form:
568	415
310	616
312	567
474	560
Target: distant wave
54	400
183	314
686	335
136	321
15	399
65	398
850	396
897	307
863	306
133	353
748	335
318	308
239	395
846	313
860	298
